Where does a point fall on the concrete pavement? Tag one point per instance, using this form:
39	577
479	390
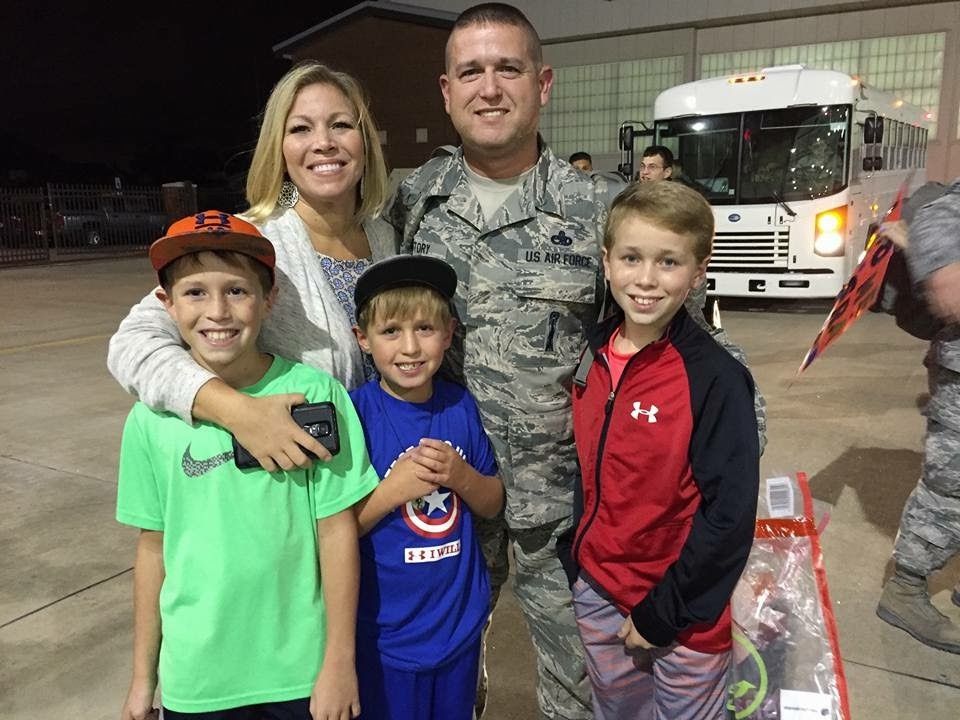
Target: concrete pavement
851	422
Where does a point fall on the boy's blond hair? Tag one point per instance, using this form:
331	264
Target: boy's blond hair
403	303
669	206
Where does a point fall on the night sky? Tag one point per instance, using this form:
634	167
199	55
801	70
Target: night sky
149	91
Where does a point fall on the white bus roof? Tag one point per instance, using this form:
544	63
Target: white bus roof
778	87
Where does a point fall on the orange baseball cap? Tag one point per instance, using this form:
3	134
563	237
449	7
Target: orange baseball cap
211	230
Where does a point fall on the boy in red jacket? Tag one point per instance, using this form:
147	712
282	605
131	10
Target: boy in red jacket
667	438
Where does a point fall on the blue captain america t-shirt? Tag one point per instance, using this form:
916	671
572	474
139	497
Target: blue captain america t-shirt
424	589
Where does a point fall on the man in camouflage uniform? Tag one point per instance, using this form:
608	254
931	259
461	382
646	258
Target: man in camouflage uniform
930	526
527	260
529	282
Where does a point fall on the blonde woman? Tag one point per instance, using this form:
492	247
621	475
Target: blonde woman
316	185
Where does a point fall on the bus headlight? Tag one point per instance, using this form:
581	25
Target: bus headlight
830	228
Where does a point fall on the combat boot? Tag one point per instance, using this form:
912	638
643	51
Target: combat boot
905	604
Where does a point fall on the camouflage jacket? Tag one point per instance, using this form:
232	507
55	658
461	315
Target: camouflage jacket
529	284
935	243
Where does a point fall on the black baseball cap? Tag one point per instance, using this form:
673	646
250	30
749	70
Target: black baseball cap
403	271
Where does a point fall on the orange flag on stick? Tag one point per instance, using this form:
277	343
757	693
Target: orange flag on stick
859	293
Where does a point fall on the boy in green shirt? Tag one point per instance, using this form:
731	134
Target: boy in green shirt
228	600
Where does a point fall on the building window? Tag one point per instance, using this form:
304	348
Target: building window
909	65
588	102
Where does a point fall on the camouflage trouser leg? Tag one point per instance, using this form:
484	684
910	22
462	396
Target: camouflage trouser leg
563	688
492	535
493	539
930	526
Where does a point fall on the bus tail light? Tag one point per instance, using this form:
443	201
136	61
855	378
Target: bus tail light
831	227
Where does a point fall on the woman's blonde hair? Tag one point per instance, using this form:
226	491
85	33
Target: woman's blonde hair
268	169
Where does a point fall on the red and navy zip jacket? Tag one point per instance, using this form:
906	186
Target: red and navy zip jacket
670	473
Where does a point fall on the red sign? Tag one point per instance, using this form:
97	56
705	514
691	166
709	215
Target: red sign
860	292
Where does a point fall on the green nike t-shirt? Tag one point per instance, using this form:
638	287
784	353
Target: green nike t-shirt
241	606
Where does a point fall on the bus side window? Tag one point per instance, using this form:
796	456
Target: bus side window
873	143
912	145
890	130
901	154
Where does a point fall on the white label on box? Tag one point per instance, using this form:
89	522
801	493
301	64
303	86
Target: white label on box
780	500
800	705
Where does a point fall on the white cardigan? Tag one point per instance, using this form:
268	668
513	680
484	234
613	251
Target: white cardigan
307	324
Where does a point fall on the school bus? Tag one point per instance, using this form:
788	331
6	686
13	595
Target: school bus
798	164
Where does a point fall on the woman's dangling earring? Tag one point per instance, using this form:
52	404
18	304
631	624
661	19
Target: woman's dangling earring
288	195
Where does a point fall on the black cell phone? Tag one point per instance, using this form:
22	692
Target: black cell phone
317	419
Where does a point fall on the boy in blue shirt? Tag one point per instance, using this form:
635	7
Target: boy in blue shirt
229	605
424	589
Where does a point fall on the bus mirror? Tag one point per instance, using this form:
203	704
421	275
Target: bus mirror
626	138
872	130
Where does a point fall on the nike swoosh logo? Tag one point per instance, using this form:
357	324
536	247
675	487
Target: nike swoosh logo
195	468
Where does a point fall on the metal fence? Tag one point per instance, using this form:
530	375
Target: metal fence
24	235
67	222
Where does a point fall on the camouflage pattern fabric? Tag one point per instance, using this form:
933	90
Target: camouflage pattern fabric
929	532
930	526
530	281
934	243
608	185
541	587
695	304
529	284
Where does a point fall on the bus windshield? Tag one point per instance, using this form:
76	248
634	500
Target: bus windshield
798	153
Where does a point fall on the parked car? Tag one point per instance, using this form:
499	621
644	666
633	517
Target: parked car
111	219
20	231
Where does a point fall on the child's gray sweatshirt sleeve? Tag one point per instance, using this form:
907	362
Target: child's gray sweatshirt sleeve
147	357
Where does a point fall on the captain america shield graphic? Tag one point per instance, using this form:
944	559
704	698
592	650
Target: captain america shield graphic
433	516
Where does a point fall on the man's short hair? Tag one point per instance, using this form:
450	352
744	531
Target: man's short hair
663	151
581	155
670	206
499	14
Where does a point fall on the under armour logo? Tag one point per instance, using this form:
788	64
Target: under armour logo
212	222
651	413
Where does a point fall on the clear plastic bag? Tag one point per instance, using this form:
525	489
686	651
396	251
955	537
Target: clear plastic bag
786	660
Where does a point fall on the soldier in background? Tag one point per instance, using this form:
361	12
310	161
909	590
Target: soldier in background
521	227
656	164
929	533
582	161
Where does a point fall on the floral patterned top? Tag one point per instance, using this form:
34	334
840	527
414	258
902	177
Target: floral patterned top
342	276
